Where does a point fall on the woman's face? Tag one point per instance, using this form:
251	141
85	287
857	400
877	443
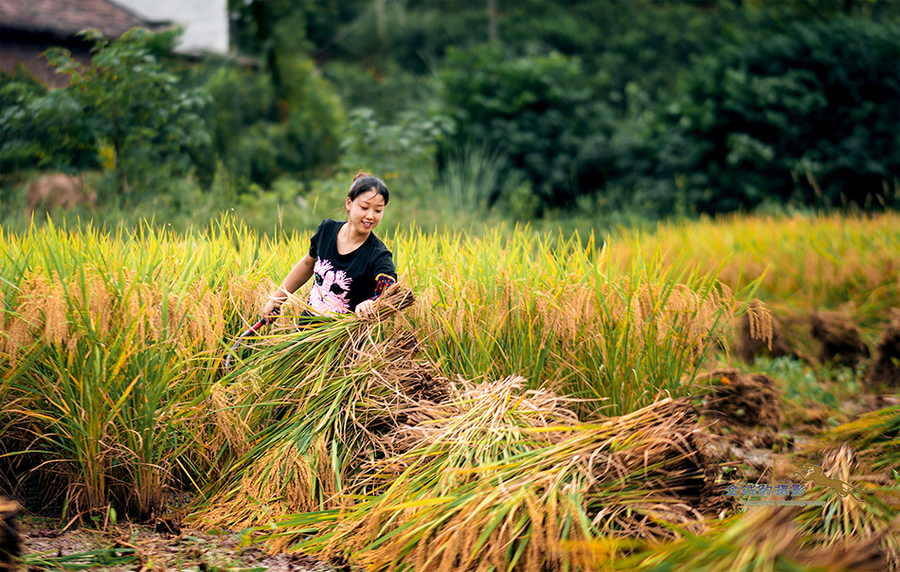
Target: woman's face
365	211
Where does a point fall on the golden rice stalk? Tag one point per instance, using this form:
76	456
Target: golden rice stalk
24	322
682	311
246	295
762	539
760	322
856	507
473	411
568	312
280	482
876	435
230	422
492	480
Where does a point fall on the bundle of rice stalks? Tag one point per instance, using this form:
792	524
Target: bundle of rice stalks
885	370
875	435
501	479
308	408
838	338
742	400
764	539
855	507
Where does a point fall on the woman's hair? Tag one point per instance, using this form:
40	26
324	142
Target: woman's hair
364	182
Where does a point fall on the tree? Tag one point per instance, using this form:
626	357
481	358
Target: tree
537	110
41	128
132	104
811	117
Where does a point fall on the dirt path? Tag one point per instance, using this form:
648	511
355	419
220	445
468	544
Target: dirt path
139	548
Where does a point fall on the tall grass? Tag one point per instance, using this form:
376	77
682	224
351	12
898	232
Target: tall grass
565	313
106	344
111	387
802	262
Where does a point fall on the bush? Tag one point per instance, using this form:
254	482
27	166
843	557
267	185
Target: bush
41	128
539	110
811	117
131	102
263	131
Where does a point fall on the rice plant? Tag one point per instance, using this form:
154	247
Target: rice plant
533	400
802	262
300	413
105	341
561	313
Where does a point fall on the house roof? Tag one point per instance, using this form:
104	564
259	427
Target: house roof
65	18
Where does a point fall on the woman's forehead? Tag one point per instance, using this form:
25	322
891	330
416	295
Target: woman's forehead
371	197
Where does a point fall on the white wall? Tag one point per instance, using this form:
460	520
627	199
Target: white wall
205	22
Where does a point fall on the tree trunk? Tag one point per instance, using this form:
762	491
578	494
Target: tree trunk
492	21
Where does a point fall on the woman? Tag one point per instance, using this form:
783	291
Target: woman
350	266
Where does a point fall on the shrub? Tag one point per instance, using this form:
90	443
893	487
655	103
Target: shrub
539	110
810	117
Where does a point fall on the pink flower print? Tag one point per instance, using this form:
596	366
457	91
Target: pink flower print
330	288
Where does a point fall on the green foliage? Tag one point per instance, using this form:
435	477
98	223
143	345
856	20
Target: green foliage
472	175
804	387
647	107
130	102
263	132
537	110
374	89
400	149
241	98
41	128
313	115
810	117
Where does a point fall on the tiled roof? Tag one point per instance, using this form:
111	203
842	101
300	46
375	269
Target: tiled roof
65	18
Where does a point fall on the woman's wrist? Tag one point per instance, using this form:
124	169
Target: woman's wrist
279	296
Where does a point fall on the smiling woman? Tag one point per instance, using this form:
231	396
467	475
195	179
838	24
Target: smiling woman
350	266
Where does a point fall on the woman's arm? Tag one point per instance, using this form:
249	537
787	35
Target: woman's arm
297	277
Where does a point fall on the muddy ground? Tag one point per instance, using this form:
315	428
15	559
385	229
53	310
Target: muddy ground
142	548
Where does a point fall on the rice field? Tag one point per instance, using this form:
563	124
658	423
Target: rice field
525	401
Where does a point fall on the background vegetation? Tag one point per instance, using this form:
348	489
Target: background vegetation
585	114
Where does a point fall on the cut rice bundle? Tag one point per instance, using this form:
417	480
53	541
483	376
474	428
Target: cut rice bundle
494	482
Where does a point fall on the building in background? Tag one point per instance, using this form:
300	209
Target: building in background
28	27
205	22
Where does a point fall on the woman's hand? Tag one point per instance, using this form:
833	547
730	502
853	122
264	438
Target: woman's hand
365	310
273	306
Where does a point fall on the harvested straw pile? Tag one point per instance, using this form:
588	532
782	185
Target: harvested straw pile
308	409
500	477
876	435
765	538
859	509
391	465
742	400
885	370
838	338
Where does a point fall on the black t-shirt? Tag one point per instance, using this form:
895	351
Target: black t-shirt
341	281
